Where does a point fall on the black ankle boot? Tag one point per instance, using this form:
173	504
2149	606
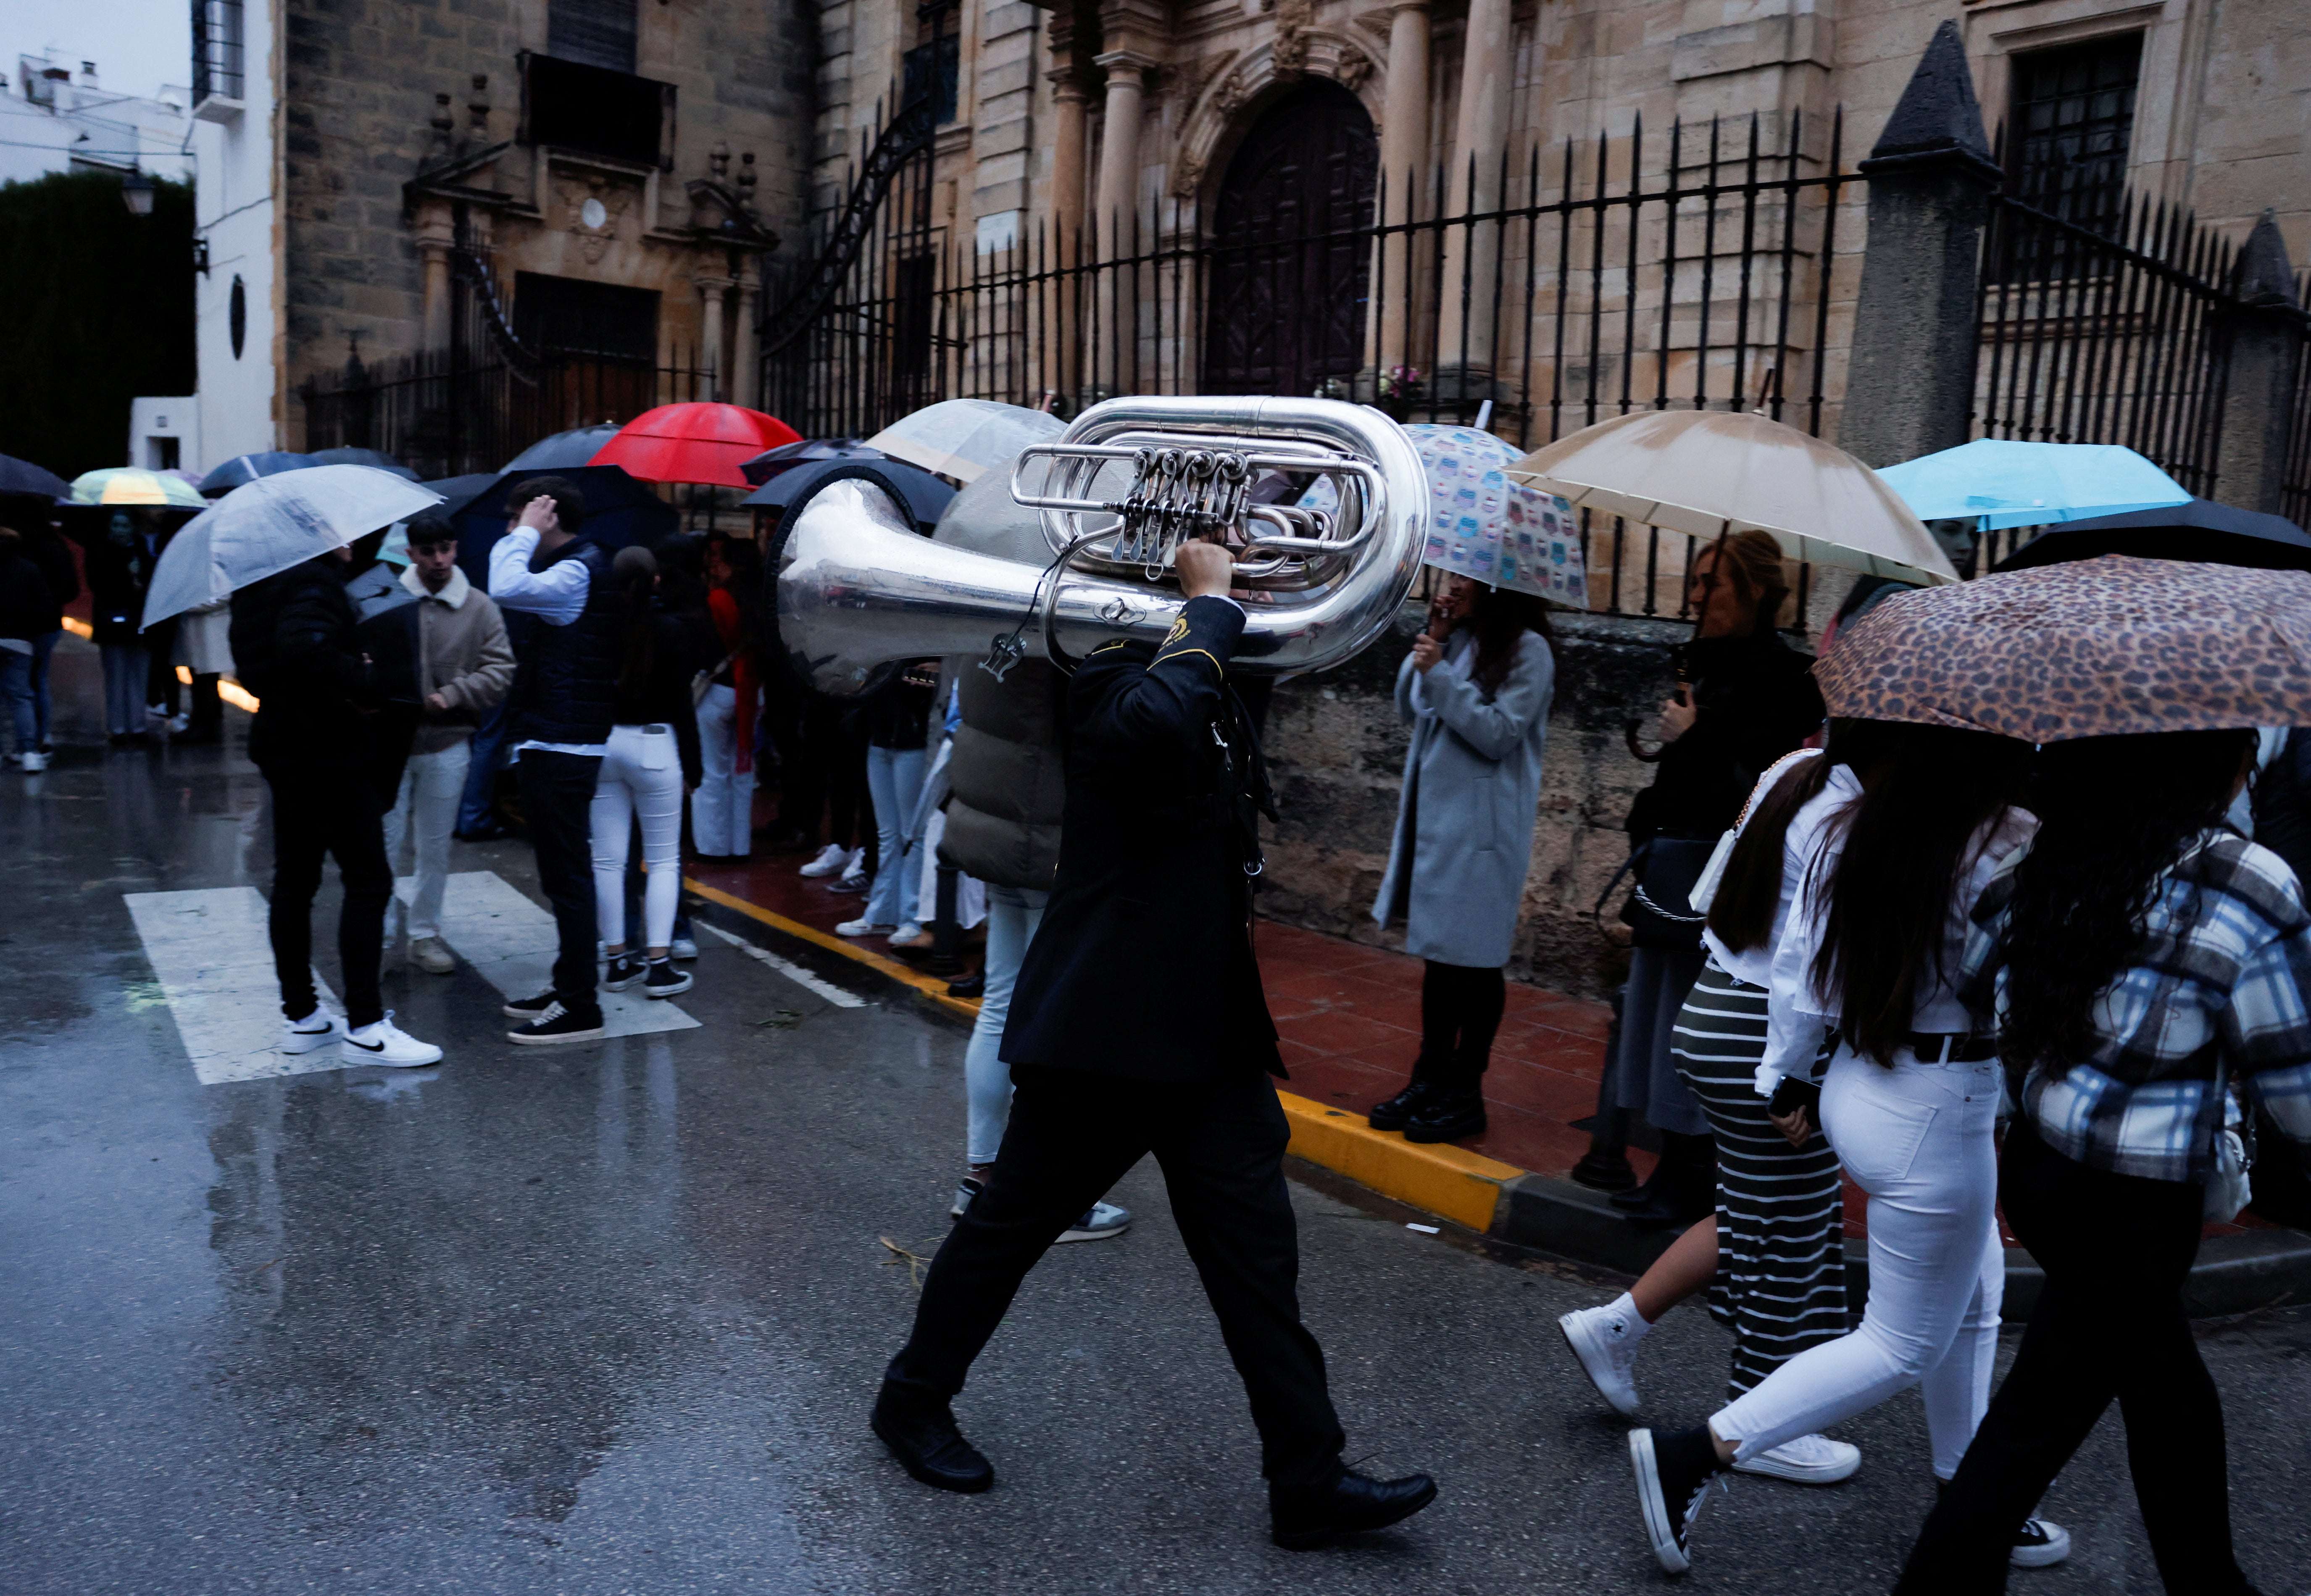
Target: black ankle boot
1392	1114
1684	1187
1445	1114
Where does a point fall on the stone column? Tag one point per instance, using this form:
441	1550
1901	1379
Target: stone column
710	292
745	374
1119	151
2262	343
1060	370
435	239
1404	168
1464	343
1909	383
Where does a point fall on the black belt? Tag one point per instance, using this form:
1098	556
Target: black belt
1952	1047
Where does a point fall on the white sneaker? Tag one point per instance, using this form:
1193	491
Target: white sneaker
1810	1459
180	724
1599	1338
316	1029
863	928
33	761
386	1042
1105	1220
908	932
831	861
2040	1544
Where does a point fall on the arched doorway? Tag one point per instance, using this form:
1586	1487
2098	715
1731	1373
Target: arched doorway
1285	301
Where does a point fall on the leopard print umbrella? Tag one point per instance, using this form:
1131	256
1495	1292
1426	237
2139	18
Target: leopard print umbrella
2094	647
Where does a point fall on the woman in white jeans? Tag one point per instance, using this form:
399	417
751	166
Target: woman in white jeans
1872	951
651	758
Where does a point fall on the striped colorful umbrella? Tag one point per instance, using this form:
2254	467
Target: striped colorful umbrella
126	485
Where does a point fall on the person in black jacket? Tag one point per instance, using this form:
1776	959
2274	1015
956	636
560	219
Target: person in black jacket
35	522
27	614
1139	1026
294	643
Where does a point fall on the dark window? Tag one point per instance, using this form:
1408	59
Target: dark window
593	32
218	56
915	288
931	69
2068	126
572	106
569	315
236	316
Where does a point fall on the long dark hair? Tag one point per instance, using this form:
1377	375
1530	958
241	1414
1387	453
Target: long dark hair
635	571
1926	790
1750	894
2114	815
1501	618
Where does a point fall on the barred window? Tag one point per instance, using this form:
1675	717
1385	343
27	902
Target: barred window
219	51
2068	127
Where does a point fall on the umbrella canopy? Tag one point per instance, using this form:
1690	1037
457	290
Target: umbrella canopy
619	511
242	469
924	497
2089	647
962	438
1713	473
2002	482
458	491
125	484
346	455
699	442
22	476
786	457
560	450
2201	531
264	527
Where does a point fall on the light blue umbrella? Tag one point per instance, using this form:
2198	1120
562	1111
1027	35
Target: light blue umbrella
2000	482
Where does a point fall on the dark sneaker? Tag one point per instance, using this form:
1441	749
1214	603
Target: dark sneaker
558	1024
622	971
964	1195
2039	1544
1392	1114
528	1008
1100	1221
665	981
922	1435
1673	1475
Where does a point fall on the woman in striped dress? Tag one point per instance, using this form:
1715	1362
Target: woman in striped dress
1772	1256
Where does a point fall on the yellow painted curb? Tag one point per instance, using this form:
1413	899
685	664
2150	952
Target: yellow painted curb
933	987
1464	1187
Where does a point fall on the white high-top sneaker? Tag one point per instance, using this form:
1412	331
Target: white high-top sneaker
1600	1338
1810	1459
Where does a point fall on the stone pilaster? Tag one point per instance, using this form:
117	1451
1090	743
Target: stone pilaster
2262	344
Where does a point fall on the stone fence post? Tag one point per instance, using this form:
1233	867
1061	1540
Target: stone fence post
1909	385
2261	344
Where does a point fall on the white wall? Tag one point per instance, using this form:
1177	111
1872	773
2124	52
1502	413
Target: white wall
150	421
86	125
234	209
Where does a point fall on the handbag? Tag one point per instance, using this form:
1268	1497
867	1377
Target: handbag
1659	910
1713	873
2228	1188
701	684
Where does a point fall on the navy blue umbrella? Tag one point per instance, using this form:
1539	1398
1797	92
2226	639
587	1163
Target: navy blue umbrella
22	476
346	455
619	512
786	457
457	492
561	451
2201	531
923	496
242	469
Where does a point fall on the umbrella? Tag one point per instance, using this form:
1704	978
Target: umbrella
264	527
247	468
126	485
558	451
22	476
698	442
2002	482
458	491
619	511
923	496
2088	647
345	455
786	457
1713	473
961	438
2203	531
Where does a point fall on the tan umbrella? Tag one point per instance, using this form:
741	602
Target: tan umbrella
1709	473
2090	648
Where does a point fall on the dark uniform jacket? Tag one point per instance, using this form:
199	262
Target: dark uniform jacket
1143	964
295	646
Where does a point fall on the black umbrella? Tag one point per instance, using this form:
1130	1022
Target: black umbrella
346	455
923	496
458	491
561	450
786	457
619	512
22	476
2203	531
243	470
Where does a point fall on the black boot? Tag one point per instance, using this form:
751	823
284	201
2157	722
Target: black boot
1302	1518
1392	1114
1446	1115
1684	1187
922	1434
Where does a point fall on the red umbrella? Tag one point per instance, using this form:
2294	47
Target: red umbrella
698	442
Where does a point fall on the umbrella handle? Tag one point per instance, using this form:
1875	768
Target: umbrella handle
1629	730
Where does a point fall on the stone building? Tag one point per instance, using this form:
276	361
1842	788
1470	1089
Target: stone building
578	190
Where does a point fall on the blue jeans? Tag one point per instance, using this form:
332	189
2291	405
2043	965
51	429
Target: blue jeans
1013	913
488	746
16	689
895	779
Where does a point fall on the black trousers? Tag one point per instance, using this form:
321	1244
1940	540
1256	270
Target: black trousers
317	815
2109	1323
1460	1012
557	795
1221	1143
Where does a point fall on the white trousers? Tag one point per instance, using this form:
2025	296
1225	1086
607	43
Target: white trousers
1917	1138
641	776
722	810
425	816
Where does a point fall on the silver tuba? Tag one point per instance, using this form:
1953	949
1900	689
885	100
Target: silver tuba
1116	495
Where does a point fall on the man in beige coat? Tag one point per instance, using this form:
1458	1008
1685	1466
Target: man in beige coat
465	664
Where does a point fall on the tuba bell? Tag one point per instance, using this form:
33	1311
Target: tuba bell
1323	505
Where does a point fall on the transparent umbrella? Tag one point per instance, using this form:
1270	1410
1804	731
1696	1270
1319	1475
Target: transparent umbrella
273	523
964	438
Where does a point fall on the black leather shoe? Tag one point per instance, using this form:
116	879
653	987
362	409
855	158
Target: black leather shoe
1443	1117
922	1434
1392	1114
1302	1518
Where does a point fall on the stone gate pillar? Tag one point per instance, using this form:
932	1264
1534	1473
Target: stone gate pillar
2261	344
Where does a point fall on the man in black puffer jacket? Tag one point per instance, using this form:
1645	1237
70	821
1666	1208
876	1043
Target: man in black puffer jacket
293	642
563	704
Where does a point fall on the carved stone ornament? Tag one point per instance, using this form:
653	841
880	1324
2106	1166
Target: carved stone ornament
1355	69
1294	17
1187	175
593	207
1229	98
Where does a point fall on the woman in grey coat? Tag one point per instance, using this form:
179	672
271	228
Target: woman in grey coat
1476	690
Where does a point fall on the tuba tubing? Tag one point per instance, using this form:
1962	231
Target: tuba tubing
859	590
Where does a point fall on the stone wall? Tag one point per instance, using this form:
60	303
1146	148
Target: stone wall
1336	754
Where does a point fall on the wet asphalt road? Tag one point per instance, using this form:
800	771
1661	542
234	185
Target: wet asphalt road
607	1318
